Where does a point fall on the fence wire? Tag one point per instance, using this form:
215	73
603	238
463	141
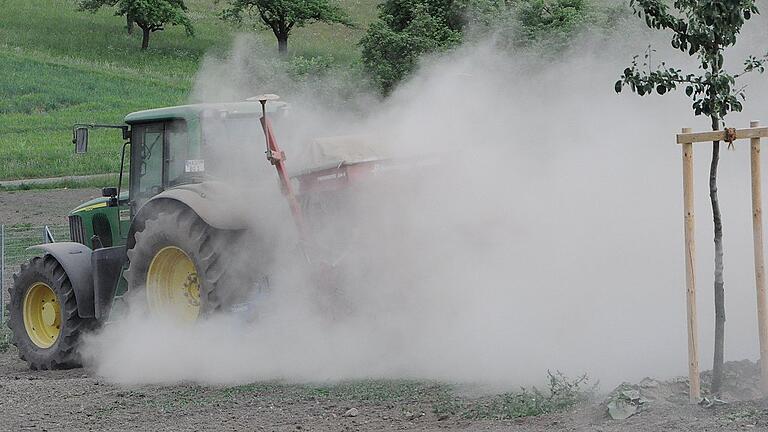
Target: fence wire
14	241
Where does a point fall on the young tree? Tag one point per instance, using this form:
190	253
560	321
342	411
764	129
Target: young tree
703	29
282	16
149	15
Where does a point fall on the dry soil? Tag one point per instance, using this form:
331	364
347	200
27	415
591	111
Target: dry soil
78	400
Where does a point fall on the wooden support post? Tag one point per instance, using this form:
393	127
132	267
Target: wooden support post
757	238
694	391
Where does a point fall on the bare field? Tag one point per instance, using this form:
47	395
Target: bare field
76	400
41	207
79	400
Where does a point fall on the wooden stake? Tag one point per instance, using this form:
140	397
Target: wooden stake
697	137
757	238
694	391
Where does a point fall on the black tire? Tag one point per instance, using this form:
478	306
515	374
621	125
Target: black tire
183	228
63	353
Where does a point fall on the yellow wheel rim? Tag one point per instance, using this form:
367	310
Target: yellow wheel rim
42	315
172	285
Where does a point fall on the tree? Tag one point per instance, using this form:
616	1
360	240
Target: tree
149	15
407	29
553	20
701	29
94	5
282	16
404	31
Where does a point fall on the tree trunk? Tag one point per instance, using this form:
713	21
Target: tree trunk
145	38
129	24
717	363
282	44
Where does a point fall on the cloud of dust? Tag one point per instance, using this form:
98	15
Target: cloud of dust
549	237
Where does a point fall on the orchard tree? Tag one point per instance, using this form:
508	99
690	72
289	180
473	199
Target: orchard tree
149	15
406	30
94	5
282	16
555	21
703	29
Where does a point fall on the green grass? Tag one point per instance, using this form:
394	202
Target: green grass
19	237
412	398
59	66
563	393
41	100
67	183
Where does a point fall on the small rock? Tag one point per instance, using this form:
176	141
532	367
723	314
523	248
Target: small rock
620	410
632	395
352	412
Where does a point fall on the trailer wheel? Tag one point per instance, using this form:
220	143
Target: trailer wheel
176	266
43	315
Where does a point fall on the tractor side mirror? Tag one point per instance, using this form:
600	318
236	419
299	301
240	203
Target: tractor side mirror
81	140
109	192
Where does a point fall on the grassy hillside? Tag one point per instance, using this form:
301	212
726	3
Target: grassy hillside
59	66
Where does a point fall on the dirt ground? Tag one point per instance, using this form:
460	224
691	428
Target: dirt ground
41	207
78	400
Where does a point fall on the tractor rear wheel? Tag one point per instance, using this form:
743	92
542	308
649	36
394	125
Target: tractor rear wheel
176	266
44	320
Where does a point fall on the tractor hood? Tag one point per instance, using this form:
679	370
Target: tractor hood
96	203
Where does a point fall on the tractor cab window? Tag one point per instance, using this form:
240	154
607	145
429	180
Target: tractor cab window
159	153
150	166
231	144
179	152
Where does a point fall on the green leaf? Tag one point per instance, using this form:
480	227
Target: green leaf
618	86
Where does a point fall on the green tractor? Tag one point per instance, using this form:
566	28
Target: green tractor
161	238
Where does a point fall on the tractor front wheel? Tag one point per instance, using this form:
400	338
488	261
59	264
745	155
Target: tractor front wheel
176	267
44	320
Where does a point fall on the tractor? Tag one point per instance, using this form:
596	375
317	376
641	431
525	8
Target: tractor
163	237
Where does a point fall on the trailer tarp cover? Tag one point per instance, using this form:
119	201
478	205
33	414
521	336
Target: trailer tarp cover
331	152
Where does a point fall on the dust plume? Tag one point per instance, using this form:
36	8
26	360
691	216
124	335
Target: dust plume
548	236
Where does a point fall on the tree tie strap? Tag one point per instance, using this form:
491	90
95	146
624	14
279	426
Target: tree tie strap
730	136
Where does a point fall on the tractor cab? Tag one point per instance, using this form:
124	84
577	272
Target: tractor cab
163	235
166	148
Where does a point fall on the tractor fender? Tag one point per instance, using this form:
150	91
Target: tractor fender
215	202
75	258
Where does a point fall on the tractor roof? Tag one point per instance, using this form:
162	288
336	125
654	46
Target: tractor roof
193	111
